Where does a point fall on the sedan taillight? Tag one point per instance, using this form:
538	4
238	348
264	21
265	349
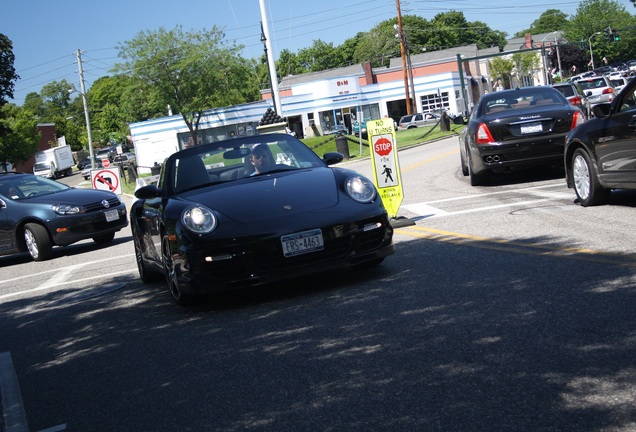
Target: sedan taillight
483	135
577	119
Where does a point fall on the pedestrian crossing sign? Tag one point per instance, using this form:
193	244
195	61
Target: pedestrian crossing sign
386	168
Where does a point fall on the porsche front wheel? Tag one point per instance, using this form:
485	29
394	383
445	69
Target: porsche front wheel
171	275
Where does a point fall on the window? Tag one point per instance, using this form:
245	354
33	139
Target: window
435	102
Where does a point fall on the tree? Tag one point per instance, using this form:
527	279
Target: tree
320	56
549	21
501	70
595	16
7	71
190	71
20	137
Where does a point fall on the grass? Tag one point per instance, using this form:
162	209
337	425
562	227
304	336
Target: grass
323	144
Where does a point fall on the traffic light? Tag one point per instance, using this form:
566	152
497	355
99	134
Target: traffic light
615	36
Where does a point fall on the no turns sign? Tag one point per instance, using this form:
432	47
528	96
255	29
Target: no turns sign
106	179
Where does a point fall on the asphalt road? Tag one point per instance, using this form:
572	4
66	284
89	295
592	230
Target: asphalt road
507	307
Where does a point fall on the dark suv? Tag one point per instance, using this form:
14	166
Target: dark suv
575	95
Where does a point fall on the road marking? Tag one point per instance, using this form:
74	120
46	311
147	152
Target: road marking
13	408
429	160
60	283
501	192
436	212
538	249
425	209
74	267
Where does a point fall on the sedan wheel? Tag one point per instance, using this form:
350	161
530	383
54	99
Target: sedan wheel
38	242
475	179
465	170
171	275
586	185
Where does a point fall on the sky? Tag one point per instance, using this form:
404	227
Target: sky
46	34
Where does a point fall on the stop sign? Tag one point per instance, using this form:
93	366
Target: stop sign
383	146
105	163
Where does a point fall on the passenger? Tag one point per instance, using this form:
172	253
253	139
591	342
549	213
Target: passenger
260	159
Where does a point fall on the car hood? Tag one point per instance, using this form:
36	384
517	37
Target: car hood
272	195
72	196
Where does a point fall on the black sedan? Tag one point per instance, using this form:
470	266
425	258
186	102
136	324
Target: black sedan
600	155
37	213
513	129
254	210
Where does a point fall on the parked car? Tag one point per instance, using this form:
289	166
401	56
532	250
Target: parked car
105	153
37	213
618	83
83	163
337	130
86	172
125	159
517	128
598	89
600	155
574	93
417	120
213	223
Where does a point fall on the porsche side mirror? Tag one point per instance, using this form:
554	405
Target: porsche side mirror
331	158
148	192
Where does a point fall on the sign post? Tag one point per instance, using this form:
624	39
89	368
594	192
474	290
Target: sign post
386	168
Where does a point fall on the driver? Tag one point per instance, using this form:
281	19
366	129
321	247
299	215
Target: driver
260	159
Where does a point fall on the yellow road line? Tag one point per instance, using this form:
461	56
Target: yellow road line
426	161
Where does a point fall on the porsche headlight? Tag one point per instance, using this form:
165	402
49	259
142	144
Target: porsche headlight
360	189
65	209
199	219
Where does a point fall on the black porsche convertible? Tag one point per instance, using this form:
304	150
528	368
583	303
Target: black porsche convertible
248	211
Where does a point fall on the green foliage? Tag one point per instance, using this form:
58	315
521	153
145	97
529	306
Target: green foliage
594	16
320	56
7	71
190	71
19	136
501	69
550	21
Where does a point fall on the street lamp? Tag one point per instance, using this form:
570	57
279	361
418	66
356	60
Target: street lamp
589	40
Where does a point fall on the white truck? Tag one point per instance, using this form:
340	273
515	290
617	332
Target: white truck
54	162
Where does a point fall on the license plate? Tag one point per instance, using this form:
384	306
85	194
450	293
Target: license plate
111	215
302	243
531	128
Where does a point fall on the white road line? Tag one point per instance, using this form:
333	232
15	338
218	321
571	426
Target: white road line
74	266
13	407
508	191
432	212
60	283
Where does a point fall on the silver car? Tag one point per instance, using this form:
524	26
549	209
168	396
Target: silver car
417	120
598	89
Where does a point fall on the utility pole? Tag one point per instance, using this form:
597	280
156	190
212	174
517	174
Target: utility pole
400	35
86	114
270	58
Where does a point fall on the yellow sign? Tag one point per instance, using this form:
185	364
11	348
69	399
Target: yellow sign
386	168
